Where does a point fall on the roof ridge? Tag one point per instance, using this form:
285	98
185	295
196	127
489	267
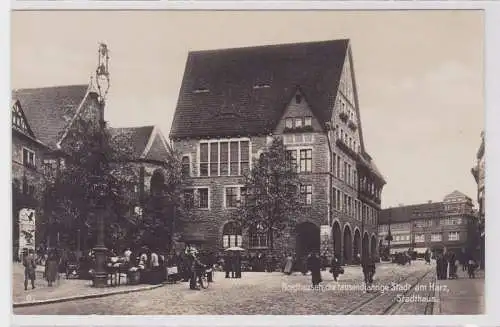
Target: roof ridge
50	87
269	46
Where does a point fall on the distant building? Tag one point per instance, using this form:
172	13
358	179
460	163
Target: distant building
448	224
231	103
479	172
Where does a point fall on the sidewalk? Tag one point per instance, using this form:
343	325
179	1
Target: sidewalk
462	296
63	290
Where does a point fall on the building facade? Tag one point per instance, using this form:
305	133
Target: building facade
448	224
41	118
478	171
233	102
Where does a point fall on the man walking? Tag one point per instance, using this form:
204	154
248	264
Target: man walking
29	268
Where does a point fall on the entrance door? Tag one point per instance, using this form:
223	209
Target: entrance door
307	239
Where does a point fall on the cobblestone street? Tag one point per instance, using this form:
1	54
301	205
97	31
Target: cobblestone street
255	293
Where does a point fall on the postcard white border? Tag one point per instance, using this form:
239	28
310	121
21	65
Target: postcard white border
492	72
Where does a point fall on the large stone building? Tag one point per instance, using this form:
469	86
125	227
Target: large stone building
40	119
434	225
479	173
233	101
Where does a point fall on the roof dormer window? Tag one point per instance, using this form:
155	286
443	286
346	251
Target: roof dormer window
261	86
201	90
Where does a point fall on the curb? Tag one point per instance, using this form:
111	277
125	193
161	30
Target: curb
83	297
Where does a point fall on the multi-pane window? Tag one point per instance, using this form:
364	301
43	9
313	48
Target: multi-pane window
436	237
289	123
355	178
344	174
291	158
196	198
258	237
306	194
231	197
306	160
204	159
349	177
244	157
308	121
420	238
50	167
453	236
223	158
214	159
344	206
231	235
339	200
186	166
334	198
298	122
203	197
349	205
233	158
28	158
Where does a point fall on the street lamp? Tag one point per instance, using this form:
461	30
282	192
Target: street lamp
99	188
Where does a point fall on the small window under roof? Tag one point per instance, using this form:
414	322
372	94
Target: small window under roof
201	90
261	86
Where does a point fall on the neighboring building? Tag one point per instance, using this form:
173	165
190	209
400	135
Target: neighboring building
233	101
479	173
40	120
448	224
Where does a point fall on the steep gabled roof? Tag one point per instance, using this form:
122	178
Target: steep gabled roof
147	142
219	97
456	194
50	109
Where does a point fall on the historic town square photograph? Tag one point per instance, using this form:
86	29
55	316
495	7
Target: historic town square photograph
248	162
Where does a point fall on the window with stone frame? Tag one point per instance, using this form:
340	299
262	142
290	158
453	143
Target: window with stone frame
186	166
306	194
289	123
245	157
231	197
231	235
453	236
202	198
233	158
29	158
214	159
306	160
204	159
436	237
307	121
49	167
291	159
224	158
258	236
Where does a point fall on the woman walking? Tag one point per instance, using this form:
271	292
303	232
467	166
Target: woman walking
51	268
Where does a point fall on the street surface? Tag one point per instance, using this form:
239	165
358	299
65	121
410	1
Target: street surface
259	293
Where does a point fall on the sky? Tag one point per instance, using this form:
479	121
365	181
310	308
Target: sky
420	75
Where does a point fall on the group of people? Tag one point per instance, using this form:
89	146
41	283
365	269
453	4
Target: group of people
52	265
447	265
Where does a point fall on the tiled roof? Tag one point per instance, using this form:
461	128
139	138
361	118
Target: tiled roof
138	136
50	109
227	104
456	194
404	214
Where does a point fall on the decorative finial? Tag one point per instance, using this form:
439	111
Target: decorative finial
102	72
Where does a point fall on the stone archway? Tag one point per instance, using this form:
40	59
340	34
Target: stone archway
366	245
337	240
373	244
357	243
307	239
347	244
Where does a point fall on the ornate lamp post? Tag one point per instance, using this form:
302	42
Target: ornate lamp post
99	185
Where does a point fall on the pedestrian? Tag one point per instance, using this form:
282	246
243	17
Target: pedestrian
127	254
228	264
427	257
471	268
51	266
335	268
288	265
236	265
452	265
367	265
155	277
29	268
314	265
304	266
